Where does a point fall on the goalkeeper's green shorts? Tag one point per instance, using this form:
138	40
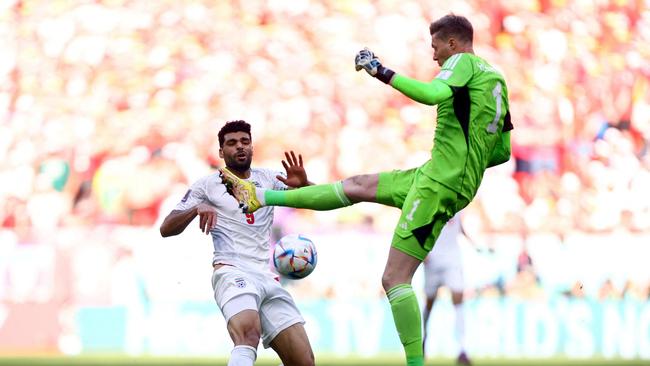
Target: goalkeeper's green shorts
426	206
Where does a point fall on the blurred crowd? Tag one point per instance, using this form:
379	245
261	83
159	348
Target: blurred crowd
109	109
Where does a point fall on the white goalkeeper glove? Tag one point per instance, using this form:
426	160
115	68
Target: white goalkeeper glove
366	60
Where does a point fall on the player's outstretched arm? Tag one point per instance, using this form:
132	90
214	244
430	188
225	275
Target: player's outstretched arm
366	60
430	93
177	220
296	173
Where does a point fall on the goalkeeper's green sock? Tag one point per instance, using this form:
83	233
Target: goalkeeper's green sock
406	314
320	197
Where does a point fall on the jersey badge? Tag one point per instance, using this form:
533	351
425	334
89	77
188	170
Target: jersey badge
240	282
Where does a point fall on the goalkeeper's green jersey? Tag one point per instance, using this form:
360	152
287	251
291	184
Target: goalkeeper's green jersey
470	124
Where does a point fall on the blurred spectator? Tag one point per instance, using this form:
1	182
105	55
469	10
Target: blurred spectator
577	290
608	291
524	261
525	286
114	85
635	291
108	106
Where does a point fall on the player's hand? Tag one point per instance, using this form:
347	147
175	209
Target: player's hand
296	174
366	59
207	217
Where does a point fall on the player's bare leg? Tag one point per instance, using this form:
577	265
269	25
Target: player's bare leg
293	347
399	269
245	330
459	325
425	319
361	188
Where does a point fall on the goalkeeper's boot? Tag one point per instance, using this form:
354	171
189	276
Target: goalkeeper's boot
242	190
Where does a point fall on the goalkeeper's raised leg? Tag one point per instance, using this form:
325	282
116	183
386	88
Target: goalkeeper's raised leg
319	197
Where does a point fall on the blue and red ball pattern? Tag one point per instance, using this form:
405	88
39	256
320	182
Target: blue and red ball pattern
295	256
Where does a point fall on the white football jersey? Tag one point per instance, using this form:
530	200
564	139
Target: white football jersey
446	251
239	239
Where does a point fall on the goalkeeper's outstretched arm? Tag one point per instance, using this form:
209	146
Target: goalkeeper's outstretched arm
430	93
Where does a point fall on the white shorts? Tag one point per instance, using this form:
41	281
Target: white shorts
437	276
275	305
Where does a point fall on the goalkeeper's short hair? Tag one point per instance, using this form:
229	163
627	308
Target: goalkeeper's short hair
453	25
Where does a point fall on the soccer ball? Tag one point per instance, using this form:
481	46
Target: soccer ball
294	256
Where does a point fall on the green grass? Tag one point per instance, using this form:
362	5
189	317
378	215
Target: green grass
320	361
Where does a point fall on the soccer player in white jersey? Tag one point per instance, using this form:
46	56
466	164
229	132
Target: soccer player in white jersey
249	295
443	267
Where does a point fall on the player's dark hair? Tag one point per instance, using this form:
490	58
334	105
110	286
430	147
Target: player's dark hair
453	25
233	126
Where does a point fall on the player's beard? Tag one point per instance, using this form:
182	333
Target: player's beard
239	166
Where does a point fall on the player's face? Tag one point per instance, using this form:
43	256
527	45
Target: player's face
237	151
442	48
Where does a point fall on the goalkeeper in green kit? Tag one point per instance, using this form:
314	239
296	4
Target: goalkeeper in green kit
472	134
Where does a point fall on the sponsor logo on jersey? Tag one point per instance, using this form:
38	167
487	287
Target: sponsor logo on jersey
257	184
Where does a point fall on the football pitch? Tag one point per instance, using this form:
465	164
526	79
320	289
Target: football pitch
320	361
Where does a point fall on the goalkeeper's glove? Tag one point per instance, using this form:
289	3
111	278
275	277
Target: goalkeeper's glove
366	59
